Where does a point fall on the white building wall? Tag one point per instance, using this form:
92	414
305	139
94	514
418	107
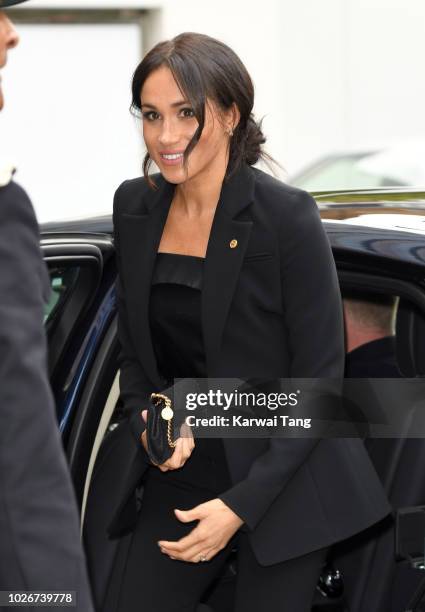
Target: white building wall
329	75
386	68
67	126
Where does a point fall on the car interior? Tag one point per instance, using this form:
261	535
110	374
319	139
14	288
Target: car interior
387	559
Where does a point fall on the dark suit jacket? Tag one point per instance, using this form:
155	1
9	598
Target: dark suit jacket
270	308
40	545
376	359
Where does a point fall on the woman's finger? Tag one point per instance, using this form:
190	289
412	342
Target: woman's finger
182	451
186	430
177	456
194	555
187	449
187	434
175	460
206	555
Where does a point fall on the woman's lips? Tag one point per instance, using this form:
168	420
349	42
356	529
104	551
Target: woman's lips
171	159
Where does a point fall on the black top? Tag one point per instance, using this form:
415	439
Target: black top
176	328
175	316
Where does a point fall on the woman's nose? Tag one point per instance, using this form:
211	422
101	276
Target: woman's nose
169	134
12	36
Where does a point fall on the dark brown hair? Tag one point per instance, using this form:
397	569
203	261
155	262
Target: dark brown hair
204	67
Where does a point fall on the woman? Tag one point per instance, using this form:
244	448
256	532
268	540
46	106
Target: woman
225	271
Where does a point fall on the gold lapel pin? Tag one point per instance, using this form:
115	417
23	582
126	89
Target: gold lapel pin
233	243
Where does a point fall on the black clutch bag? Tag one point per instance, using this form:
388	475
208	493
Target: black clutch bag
159	431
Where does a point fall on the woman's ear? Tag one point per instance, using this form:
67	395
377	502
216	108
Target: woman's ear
235	116
231	118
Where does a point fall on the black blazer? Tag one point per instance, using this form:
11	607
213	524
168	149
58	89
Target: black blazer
270	308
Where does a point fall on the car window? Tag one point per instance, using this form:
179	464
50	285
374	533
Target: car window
62	280
343	173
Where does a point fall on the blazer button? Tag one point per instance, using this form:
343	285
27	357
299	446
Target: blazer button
233	243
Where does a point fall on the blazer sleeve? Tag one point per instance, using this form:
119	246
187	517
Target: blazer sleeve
314	322
135	387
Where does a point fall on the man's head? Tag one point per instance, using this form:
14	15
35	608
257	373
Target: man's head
8	36
368	317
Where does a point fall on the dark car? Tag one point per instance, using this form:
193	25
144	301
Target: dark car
378	241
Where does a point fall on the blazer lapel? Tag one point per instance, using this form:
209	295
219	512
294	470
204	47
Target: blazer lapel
225	253
142	237
222	265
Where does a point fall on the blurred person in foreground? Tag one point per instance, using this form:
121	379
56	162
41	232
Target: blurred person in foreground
40	545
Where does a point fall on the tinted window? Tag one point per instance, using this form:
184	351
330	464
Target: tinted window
63	280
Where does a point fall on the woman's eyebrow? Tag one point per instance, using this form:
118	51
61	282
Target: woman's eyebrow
173	105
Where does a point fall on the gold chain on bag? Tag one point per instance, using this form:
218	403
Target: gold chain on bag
166	413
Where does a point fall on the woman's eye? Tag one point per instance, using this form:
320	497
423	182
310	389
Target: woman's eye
187	112
150	115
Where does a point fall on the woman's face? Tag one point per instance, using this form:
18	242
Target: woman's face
169	124
8	39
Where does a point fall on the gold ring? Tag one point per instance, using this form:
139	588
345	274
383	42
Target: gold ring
202	558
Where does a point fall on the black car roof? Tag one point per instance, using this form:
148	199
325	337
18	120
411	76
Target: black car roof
101	224
376	222
336	205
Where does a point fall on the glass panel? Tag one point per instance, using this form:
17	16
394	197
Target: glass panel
63	280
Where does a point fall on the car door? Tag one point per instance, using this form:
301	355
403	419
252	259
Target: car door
73	322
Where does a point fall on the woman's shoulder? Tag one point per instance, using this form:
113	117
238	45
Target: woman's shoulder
280	200
131	194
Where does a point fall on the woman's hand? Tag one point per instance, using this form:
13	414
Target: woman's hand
217	524
182	451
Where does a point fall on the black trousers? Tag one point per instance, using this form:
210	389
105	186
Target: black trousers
146	580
